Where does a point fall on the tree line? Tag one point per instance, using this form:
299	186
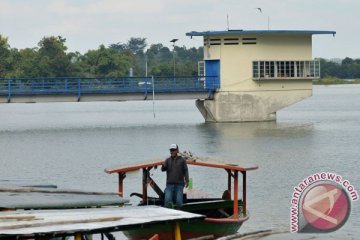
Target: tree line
51	59
347	68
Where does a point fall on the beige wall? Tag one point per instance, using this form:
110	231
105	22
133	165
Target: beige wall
236	60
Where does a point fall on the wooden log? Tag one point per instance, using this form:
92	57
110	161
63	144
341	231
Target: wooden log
17	218
207	237
155	237
64	222
261	233
26	190
41	186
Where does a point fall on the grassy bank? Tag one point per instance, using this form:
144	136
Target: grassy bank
332	80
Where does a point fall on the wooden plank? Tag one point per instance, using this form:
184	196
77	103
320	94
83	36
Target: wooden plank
61	222
216	204
30	222
50	200
17	218
205	162
221	165
134	166
54	191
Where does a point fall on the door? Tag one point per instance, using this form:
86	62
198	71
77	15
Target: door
212	74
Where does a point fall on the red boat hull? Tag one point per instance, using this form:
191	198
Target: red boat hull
216	227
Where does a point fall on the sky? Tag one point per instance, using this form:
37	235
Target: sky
86	24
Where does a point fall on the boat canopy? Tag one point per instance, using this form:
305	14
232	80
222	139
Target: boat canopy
190	161
231	169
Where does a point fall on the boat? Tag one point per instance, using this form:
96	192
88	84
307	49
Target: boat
223	215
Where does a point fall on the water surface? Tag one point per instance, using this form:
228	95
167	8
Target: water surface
69	144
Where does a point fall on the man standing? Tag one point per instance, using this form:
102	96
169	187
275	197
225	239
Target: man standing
177	176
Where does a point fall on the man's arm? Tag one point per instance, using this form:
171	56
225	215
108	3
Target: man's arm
186	171
164	166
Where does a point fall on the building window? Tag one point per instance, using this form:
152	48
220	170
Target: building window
215	41
286	69
201	68
231	41
201	72
248	41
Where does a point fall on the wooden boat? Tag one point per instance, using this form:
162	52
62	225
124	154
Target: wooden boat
223	215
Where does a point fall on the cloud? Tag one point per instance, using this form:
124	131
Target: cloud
105	7
88	23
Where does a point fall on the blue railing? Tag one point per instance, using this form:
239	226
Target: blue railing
79	86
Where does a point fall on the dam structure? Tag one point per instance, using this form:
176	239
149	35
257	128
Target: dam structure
245	76
259	72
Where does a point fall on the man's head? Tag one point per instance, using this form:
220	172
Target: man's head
174	149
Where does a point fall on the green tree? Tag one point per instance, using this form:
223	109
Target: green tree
50	59
134	48
329	68
137	45
53	61
4	54
26	63
106	62
76	68
160	60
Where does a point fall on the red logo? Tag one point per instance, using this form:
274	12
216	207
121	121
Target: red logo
325	207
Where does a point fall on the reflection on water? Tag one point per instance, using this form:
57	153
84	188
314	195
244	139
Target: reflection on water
69	144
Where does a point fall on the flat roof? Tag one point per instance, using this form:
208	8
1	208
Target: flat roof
264	32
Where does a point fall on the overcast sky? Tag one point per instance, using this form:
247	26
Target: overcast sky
88	23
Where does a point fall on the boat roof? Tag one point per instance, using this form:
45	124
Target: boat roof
259	32
205	162
92	220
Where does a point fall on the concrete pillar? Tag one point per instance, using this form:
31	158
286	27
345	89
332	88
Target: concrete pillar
248	106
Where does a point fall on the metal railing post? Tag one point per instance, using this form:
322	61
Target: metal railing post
146	87
32	86
9	91
153	93
79	89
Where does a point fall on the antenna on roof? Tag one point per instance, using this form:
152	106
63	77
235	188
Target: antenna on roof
227	21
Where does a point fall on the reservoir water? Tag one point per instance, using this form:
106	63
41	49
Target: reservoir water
70	144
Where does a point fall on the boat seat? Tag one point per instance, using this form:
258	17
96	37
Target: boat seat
208	205
150	201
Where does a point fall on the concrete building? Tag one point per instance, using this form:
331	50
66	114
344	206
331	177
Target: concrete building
259	72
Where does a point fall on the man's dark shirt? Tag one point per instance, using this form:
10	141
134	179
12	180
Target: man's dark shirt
176	170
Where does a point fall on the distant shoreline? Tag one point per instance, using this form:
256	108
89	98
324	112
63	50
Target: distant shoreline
332	80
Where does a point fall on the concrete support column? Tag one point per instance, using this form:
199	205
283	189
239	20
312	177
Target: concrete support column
248	106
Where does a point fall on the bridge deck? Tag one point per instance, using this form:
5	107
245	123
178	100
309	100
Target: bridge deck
105	89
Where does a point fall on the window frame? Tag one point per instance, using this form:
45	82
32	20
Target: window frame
286	69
